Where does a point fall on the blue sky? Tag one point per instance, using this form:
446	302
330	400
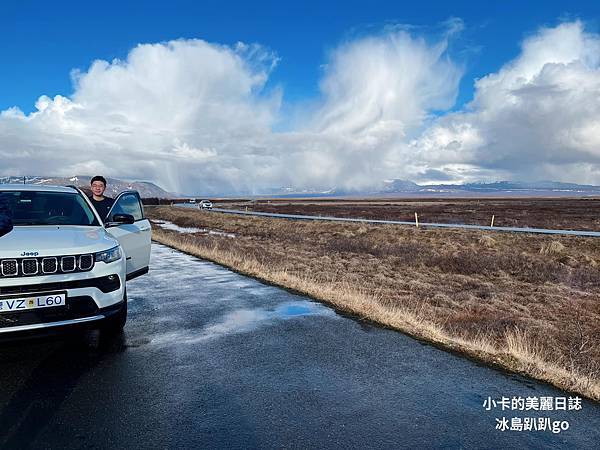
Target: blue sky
361	92
43	41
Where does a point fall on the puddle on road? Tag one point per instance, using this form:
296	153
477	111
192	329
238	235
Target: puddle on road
292	310
244	320
228	304
166	225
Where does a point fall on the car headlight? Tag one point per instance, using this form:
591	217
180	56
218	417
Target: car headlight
111	255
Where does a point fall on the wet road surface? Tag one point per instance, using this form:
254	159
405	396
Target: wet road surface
211	359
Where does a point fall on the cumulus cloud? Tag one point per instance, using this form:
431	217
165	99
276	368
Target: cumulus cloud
199	117
538	117
167	111
386	83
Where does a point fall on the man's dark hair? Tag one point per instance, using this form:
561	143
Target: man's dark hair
98	178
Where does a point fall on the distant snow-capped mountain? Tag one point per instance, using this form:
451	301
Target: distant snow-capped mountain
399	187
114	186
537	185
394	187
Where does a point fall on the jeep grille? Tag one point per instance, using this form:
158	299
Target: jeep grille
27	267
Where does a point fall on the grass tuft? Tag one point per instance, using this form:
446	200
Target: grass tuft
487	241
552	248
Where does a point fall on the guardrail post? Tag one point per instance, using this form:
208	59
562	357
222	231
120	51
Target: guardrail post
416	220
492	224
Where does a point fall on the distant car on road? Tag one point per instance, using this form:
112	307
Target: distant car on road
192	200
205	204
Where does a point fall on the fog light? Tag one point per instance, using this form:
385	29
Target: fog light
109	283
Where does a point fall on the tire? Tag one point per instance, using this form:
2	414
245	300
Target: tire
115	324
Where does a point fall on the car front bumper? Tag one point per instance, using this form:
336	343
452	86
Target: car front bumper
91	297
49	328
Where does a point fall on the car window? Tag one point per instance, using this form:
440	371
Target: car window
48	208
128	204
6	224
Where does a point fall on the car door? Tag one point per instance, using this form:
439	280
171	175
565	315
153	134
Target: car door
135	238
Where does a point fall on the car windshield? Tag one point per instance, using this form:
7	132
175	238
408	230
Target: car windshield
48	208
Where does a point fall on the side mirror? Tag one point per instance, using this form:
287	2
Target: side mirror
121	219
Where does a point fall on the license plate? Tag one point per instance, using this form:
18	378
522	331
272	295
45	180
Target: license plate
32	302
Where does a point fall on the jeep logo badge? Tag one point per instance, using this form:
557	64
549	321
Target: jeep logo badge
30	254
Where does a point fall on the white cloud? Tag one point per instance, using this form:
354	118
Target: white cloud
199	117
538	117
386	84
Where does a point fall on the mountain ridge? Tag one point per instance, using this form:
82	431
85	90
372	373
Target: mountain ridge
392	187
399	186
146	189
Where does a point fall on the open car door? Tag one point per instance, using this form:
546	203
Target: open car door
135	235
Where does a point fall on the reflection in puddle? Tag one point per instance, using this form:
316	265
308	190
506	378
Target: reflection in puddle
243	320
166	225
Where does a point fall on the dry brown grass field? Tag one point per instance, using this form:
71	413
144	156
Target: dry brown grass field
563	213
527	303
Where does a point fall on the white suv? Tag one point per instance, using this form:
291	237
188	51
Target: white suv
61	266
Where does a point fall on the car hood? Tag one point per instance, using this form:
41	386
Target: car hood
54	240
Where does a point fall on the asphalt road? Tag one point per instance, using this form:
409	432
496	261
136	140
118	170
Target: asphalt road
211	359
